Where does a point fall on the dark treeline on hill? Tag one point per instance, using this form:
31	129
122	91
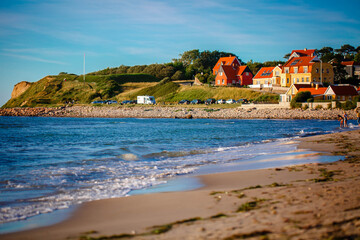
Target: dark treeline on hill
190	64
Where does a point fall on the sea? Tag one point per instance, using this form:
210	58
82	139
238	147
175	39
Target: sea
48	166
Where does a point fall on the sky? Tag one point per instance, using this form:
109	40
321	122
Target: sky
46	37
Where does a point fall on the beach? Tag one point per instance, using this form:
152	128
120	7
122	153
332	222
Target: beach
311	201
249	111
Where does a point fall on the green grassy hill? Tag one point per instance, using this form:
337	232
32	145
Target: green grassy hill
56	90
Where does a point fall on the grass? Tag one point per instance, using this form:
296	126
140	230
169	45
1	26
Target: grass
54	90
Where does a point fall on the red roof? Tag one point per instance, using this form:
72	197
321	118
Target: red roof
225	61
229	71
298	86
344	90
299	62
349	63
265	72
305	52
314	91
241	70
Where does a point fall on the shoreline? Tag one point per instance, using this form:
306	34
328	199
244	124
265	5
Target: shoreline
223	194
186	112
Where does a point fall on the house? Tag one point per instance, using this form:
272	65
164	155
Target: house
229	72
317	93
267	77
227	61
302	53
303	67
294	89
352	69
341	92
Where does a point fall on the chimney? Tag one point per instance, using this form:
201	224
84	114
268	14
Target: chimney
305	49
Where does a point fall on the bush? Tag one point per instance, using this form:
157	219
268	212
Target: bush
300	97
310	100
318	107
306	107
329	106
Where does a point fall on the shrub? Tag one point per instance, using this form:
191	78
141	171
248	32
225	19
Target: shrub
318	107
300	97
310	100
306	107
329	106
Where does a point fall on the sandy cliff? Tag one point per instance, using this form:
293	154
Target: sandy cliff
20	88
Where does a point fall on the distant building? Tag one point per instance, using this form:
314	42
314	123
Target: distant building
352	69
303	67
294	89
229	72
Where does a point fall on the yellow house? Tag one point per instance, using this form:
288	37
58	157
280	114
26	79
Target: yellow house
267	76
305	70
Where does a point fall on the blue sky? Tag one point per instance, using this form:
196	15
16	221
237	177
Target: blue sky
40	38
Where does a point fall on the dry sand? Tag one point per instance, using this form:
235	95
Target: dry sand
312	201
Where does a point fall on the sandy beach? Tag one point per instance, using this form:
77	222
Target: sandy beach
312	201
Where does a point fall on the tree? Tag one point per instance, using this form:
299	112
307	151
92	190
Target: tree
286	56
299	98
326	54
339	72
347	51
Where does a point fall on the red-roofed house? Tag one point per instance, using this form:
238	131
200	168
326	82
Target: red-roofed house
305	70
341	92
267	77
229	72
227	61
316	93
294	89
302	53
231	76
352	69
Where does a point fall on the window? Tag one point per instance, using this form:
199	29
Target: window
218	82
286	70
305	69
329	97
247	73
327	70
221	73
325	79
307	79
233	81
297	79
288	80
314	79
317	70
223	81
295	69
302	79
276	73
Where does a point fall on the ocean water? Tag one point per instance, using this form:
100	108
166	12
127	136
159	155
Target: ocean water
49	164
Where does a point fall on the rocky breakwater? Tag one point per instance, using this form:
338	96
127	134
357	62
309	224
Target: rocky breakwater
32	112
177	112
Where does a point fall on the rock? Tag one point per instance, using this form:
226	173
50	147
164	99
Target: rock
20	88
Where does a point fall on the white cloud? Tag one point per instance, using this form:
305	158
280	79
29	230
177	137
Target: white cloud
32	58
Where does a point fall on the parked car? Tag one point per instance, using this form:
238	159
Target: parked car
210	101
196	101
98	102
242	100
133	101
125	102
111	102
220	101
230	101
184	101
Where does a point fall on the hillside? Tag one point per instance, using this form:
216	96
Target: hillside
62	88
53	90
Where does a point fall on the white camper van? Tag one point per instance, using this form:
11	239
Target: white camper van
145	100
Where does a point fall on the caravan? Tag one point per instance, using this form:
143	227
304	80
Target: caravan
146	100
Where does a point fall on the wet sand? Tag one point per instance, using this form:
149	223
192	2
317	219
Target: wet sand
312	201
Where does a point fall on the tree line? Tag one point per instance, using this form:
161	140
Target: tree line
195	63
